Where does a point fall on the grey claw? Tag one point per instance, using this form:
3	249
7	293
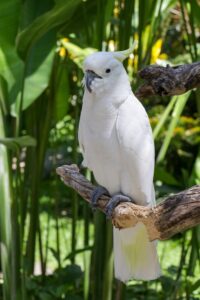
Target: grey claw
114	201
109	212
96	194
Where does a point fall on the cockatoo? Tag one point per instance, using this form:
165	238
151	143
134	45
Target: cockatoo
117	146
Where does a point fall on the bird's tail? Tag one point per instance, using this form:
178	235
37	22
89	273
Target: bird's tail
135	256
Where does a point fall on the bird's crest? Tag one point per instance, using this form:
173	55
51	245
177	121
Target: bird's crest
122	55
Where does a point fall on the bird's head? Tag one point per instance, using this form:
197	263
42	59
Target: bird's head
104	70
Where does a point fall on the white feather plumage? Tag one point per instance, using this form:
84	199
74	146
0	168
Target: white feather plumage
117	144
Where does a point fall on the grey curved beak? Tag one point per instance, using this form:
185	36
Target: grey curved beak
89	77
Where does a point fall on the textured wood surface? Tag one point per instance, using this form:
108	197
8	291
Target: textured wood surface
175	214
168	81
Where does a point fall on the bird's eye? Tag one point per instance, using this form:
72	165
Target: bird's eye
108	70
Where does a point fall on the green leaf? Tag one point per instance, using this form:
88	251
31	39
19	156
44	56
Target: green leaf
5	215
59	15
55	253
78	251
11	69
164	176
195	286
195	175
70	272
45	296
62	92
4	96
195	6
37	82
18	142
38	68
9	19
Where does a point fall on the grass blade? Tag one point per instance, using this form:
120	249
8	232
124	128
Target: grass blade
164	117
180	104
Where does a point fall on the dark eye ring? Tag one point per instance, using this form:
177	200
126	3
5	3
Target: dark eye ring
108	70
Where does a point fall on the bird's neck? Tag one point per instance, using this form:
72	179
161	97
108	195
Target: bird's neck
108	101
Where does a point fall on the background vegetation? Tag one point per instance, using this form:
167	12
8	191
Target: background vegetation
52	246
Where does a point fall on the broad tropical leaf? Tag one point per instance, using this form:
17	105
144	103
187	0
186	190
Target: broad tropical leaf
59	15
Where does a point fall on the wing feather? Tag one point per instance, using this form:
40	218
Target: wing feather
137	151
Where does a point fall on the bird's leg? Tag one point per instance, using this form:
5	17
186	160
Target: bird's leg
96	194
114	201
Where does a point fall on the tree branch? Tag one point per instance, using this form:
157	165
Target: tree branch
175	214
168	81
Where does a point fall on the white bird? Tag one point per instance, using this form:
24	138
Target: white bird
117	145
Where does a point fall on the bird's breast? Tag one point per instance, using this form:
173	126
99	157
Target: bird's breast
101	151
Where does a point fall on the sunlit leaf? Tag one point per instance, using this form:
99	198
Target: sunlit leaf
35	84
178	108
76	53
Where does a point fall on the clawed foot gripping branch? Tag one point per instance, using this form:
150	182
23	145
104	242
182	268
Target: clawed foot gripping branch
175	214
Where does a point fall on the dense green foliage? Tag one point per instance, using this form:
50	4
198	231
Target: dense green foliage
52	246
